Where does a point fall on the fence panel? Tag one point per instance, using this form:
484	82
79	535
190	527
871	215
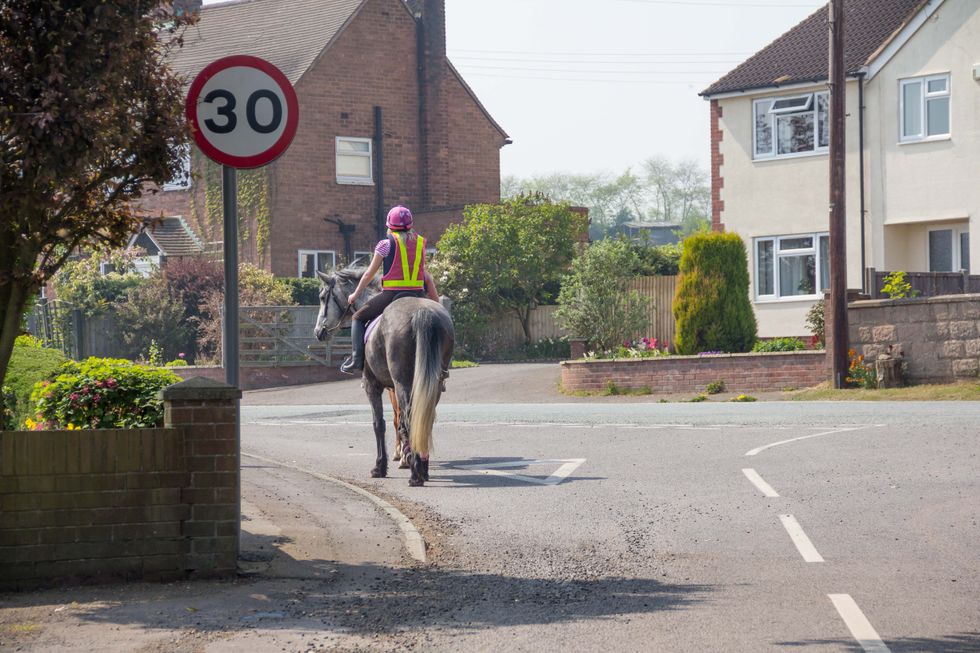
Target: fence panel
928	284
660	317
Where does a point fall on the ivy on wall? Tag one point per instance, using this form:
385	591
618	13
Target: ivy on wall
253	204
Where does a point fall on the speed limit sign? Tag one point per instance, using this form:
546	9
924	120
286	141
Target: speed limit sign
243	111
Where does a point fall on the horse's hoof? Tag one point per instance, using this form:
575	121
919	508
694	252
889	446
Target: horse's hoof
396	457
379	473
415	483
403	465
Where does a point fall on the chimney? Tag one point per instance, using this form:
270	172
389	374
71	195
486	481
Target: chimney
433	112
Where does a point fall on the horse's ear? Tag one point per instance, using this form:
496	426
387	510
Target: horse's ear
325	278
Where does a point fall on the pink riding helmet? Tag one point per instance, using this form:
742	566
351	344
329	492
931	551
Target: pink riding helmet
399	219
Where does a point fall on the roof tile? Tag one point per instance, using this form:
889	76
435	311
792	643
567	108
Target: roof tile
802	53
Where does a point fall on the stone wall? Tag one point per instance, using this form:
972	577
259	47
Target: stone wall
939	336
124	503
740	372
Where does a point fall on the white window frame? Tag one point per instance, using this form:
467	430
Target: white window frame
957	257
777	254
367	256
184	182
811	106
924	97
316	253
349	179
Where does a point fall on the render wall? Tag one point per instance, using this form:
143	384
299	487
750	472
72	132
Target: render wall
914	187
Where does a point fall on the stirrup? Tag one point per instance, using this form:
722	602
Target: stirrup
350	365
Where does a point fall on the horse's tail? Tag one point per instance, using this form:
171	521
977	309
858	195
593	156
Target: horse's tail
426	384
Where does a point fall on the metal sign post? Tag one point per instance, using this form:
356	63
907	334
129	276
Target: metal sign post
243	113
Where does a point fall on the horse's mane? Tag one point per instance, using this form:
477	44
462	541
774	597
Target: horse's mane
350	276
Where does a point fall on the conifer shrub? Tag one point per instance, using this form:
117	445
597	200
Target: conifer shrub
712	309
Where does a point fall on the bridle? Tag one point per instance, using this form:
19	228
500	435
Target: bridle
344	310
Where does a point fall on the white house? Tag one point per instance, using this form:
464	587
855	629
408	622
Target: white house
913	151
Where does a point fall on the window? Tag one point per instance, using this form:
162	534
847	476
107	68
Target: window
183	179
792	266
949	250
354	161
311	262
362	258
791	125
924	103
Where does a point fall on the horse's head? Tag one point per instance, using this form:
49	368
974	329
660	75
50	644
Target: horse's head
334	290
333	306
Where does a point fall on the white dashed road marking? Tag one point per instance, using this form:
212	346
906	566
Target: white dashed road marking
757	481
802	542
858	624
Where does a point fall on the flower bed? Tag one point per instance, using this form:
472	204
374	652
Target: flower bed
740	372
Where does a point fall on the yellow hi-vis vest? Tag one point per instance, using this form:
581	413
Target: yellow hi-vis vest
401	276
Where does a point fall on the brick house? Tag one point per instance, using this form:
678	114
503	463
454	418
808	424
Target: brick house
912	147
385	119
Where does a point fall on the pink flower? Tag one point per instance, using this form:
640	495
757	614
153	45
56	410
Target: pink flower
73	396
181	355
111	383
97	398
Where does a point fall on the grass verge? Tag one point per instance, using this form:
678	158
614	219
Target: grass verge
966	391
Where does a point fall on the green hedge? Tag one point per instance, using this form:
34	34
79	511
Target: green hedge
28	365
779	344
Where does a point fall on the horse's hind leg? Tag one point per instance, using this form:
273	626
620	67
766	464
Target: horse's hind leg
373	390
397	454
414	461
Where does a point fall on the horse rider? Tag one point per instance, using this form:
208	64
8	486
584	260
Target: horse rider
402	255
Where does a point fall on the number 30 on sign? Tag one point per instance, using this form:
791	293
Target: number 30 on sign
243	111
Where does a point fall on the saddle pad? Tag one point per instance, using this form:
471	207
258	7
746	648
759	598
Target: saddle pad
369	329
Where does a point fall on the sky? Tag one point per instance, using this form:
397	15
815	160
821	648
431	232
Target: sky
590	86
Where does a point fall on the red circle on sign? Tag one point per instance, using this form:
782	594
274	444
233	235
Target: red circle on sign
292	112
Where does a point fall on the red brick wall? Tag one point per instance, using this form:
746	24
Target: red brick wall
123	503
717	161
372	63
740	372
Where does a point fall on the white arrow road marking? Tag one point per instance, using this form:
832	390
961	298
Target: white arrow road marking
568	465
757	481
804	437
858	624
802	542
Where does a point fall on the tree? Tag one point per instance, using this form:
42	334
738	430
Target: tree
711	305
507	257
610	201
90	114
680	193
596	302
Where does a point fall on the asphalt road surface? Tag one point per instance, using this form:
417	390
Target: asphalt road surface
569	524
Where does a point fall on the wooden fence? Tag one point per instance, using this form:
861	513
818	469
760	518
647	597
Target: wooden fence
507	332
928	284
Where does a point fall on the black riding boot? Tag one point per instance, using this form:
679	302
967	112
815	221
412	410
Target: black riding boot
356	360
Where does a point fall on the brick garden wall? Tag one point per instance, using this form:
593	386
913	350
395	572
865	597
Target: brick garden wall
740	372
129	503
940	336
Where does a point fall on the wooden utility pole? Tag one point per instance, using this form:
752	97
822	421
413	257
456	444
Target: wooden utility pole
838	222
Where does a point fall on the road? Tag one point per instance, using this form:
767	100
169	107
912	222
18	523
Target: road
570	524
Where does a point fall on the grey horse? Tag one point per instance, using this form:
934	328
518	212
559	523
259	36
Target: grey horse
408	351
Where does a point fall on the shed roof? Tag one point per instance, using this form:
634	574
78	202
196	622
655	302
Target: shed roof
801	54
